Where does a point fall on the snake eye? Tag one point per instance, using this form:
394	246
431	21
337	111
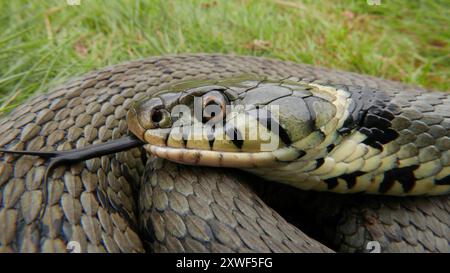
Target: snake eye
214	106
160	118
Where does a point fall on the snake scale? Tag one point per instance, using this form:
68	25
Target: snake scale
132	202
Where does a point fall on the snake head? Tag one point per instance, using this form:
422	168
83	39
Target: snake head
244	122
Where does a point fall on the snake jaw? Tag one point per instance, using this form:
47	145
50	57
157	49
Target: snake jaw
213	158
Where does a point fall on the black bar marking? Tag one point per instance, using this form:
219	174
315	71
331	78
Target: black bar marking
443	181
405	176
269	123
301	154
236	137
331	183
376	124
319	162
330	147
350	178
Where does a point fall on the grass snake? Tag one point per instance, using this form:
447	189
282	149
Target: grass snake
333	131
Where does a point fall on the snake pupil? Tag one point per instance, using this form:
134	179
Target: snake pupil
157	116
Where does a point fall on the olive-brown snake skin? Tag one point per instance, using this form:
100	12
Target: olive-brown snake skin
130	202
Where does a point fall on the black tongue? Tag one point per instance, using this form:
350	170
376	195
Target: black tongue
76	155
35	153
58	158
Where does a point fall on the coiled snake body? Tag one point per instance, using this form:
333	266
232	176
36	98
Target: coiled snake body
335	131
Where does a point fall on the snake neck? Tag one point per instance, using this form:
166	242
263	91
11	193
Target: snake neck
380	145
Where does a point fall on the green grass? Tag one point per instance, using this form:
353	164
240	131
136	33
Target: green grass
43	43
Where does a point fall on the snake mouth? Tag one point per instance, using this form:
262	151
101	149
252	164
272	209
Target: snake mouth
213	158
